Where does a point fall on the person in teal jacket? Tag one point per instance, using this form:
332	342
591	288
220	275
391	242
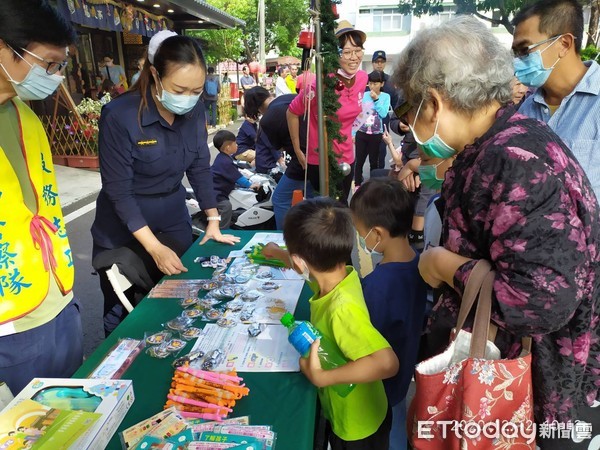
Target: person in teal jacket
369	125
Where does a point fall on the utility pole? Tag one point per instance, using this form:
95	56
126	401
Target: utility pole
261	39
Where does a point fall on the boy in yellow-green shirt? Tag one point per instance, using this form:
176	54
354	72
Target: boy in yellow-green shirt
319	235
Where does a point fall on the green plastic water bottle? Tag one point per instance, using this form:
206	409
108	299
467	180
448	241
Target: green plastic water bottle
301	334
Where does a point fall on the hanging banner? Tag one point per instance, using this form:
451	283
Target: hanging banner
112	16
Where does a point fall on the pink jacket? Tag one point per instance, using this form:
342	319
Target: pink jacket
351	107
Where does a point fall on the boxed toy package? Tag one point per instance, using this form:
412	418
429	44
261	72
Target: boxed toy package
106	401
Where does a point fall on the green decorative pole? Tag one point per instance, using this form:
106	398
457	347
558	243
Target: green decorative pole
329	52
323	147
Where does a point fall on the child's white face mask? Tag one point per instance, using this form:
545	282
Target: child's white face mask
301	264
363	243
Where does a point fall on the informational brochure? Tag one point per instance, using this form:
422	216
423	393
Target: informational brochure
264	238
259	238
270	351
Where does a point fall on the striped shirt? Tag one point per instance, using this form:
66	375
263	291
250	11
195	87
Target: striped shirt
576	121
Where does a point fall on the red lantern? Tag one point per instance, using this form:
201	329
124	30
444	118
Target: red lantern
306	40
234	93
254	67
334	11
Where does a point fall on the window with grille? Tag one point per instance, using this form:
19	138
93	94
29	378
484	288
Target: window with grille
387	19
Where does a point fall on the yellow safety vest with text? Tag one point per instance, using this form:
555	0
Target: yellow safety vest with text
33	244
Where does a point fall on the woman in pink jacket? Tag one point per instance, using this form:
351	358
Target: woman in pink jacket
351	83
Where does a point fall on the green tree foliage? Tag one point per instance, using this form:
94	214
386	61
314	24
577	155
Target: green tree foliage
283	18
498	12
590	52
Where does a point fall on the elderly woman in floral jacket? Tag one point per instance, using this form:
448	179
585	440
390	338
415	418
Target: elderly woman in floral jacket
517	197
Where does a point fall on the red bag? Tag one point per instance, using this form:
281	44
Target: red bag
467	397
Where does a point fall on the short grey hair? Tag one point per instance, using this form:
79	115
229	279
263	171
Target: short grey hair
462	60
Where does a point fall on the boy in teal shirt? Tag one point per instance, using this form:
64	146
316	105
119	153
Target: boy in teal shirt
319	235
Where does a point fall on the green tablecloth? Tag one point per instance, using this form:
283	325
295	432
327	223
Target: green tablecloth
287	401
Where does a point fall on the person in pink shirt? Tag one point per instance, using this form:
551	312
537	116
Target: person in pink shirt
350	87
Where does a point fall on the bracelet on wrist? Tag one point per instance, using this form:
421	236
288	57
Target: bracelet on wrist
213	218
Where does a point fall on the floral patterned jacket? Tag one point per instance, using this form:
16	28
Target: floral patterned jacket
518	198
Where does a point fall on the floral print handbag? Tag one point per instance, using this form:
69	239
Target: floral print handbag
468	397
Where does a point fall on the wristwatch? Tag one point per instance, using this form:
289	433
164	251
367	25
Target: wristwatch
214	218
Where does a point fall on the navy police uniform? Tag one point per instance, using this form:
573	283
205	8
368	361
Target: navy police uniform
266	155
246	137
225	173
142	162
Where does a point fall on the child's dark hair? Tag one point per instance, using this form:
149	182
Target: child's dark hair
221	137
320	231
376	77
384	202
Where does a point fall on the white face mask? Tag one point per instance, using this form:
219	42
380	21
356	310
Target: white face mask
363	243
37	84
301	263
179	104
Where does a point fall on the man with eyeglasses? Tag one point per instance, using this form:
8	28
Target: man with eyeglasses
546	45
40	324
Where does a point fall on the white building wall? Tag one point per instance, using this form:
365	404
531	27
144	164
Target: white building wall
393	34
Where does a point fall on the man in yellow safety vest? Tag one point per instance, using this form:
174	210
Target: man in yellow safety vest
40	325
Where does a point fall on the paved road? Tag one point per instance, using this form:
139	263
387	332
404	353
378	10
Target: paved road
87	286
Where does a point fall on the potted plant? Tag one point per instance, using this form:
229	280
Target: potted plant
86	154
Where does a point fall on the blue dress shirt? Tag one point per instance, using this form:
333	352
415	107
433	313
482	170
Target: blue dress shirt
576	121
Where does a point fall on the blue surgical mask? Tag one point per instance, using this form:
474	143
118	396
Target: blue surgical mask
179	104
434	147
530	69
428	175
37	84
362	241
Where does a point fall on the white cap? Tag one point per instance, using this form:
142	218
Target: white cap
156	41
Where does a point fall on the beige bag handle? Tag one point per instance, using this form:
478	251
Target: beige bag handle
479	289
483	317
472	288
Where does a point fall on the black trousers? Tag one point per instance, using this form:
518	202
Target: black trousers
346	184
114	312
382	154
367	145
380	440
